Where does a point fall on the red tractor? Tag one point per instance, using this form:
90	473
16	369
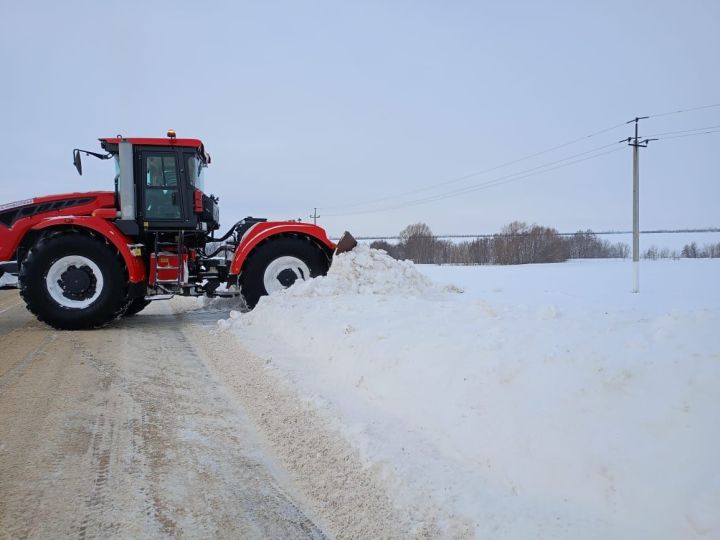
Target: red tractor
83	259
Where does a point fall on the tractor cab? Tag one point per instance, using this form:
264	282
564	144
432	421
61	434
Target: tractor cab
159	184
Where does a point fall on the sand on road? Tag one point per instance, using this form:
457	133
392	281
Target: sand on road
124	431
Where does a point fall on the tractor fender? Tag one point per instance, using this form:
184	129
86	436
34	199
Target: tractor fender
108	230
263	231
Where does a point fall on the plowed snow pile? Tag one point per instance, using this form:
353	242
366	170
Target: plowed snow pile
368	271
545	402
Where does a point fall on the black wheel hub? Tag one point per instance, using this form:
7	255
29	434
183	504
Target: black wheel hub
78	283
287	277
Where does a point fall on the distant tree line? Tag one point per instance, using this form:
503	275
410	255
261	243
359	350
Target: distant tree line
689	251
516	243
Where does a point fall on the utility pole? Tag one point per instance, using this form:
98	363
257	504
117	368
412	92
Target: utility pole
636	144
314	216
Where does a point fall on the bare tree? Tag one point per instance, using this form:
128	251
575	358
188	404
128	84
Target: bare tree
690	251
418	243
517	243
586	245
394	250
712	250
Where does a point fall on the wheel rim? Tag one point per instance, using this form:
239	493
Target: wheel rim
283	272
74	281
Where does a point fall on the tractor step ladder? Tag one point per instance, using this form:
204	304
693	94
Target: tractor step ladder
159	284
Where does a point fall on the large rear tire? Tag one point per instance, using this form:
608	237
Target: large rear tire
278	263
72	281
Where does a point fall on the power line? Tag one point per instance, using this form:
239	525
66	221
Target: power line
683	131
512	178
476	173
522	174
689	135
502	180
509	178
679	111
493	182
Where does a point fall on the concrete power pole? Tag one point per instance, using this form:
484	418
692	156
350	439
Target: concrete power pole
636	144
314	216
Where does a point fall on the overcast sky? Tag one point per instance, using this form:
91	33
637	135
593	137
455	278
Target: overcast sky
339	104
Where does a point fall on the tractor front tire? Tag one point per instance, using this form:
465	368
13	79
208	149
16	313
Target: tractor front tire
73	281
278	263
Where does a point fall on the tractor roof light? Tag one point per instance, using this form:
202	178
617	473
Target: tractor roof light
171	133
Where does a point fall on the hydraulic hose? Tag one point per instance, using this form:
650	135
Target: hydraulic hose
229	233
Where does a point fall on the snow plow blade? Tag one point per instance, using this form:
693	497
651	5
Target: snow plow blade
347	243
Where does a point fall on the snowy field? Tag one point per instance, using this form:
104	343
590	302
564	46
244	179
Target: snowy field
544	401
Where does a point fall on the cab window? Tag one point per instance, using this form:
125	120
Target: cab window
162	199
195	171
161	171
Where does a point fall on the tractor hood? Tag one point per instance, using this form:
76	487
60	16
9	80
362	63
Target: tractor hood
81	204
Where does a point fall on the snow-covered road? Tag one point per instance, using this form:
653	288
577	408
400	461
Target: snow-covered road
125	432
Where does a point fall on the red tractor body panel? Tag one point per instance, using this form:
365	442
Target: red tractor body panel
151	141
135	265
16	219
262	231
90	210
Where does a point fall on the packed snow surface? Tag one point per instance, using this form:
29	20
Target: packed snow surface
547	401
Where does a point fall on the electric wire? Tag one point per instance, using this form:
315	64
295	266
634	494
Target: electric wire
521	174
530	172
683	131
679	111
688	135
511	178
494	182
476	173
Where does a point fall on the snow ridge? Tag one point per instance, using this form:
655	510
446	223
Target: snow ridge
367	271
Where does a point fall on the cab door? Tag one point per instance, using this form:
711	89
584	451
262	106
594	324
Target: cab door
164	202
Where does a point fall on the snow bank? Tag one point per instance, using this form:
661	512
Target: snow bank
545	402
367	271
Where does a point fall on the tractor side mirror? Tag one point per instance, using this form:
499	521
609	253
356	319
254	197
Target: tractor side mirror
77	161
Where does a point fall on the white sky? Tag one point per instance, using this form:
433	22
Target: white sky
305	104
